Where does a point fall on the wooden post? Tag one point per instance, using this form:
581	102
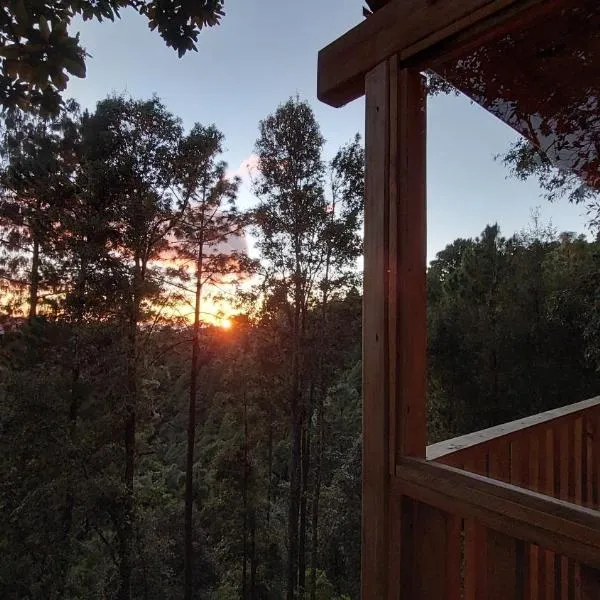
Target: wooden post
394	311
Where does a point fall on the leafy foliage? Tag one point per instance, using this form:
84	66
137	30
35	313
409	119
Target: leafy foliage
38	51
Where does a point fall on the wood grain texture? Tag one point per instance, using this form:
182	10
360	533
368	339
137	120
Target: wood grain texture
514	429
404	28
375	478
394	321
505	567
558	526
475	558
408	255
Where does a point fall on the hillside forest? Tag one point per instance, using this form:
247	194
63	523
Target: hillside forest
155	447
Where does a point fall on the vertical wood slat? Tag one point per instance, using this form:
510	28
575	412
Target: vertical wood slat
475	553
505	567
579	442
520	452
430	565
548	571
589	461
534	483
596	464
564	454
505	556
454	551
375	487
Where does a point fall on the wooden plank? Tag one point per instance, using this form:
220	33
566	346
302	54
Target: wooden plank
511	430
480	32
430	556
499	461
596	464
475	537
590	583
535	558
520	465
404	28
401	520
408	266
520	475
564	456
505	567
548	487
561	527
407	304
375	485
475	559
454	555
579	482
589	460
393	306
578	457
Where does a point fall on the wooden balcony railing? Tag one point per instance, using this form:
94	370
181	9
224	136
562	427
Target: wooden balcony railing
508	512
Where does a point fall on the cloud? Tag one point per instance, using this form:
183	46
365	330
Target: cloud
247	168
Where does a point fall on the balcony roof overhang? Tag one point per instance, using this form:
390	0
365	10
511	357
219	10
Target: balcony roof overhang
418	32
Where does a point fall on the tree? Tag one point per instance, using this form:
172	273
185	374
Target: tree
342	248
518	308
131	147
291	215
208	223
36	186
307	242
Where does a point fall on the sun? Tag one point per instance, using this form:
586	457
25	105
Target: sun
226	323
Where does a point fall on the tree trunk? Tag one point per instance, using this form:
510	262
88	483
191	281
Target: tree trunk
34	279
305	466
269	471
126	533
294	502
253	561
295	451
191	439
245	505
321	391
126	529
315	504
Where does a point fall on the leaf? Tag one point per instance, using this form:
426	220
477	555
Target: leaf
21	12
44	28
75	68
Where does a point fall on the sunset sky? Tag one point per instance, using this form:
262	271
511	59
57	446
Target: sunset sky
265	51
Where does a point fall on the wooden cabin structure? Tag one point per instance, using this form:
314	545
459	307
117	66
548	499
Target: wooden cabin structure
510	512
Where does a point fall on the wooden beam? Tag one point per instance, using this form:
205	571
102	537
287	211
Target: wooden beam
394	314
404	28
408	262
376	459
553	524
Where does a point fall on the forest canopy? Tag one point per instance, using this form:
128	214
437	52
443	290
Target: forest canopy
147	452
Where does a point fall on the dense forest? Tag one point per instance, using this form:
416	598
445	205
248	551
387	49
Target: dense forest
147	451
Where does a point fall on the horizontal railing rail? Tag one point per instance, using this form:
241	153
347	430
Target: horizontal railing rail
515	429
528	516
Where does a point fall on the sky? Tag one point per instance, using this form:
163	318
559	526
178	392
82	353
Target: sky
266	51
